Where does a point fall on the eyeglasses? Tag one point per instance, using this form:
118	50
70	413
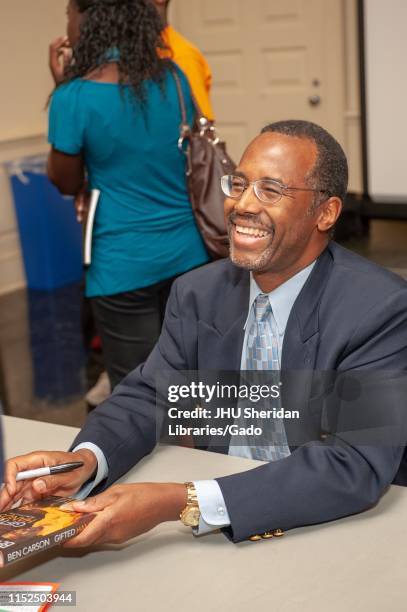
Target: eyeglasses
266	190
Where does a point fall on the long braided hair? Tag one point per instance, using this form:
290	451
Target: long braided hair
132	29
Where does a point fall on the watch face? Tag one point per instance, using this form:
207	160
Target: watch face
191	516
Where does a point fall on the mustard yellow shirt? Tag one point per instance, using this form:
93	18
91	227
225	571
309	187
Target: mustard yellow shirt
195	67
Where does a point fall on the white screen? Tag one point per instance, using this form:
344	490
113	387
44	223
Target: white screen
386	98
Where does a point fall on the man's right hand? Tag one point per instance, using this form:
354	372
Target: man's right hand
59	484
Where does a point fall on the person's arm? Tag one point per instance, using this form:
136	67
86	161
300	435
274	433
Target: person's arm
349	471
64	485
212	506
124	427
99	474
66	135
126	511
66	172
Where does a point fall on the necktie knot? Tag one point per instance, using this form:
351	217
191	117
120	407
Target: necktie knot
261	306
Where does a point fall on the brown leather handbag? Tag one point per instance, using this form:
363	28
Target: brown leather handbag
207	162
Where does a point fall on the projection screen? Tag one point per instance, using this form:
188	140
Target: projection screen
385	33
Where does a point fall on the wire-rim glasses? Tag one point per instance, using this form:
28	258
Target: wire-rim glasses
268	191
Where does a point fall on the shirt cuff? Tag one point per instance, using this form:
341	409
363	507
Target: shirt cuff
214	514
102	470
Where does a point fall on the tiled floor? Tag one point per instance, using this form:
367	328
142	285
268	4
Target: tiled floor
42	360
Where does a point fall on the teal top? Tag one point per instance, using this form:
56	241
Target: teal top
144	230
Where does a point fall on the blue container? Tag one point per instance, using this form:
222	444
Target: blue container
57	347
50	236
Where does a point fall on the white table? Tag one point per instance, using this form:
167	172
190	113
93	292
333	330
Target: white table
356	564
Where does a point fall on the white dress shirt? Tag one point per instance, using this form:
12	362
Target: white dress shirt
214	513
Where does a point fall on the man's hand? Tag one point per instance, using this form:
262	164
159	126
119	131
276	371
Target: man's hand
60	56
59	484
126	511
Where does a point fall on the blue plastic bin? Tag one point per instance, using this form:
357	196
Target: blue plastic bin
50	236
57	347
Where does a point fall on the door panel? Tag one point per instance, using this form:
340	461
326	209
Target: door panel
271	60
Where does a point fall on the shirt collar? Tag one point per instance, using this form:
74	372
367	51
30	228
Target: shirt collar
282	298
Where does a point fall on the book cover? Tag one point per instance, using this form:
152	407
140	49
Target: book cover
88	226
37	526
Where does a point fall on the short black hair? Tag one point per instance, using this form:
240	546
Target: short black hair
330	171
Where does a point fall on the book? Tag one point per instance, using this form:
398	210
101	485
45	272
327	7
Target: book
88	224
36	526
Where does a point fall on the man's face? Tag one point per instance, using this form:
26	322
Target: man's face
289	233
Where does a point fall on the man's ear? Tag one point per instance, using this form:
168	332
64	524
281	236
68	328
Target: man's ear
329	212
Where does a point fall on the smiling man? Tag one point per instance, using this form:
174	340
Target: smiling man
277	228
288	299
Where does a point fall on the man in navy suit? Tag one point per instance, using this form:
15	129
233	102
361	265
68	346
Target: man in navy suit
313	307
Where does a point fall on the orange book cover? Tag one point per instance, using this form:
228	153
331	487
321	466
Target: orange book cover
37	526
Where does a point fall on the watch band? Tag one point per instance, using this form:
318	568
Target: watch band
192	495
191	513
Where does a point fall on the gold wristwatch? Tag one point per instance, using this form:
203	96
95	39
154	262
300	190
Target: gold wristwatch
191	513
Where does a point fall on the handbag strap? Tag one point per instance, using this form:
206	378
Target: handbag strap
184	128
203	121
180	97
205	126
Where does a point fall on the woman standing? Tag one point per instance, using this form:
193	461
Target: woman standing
116	114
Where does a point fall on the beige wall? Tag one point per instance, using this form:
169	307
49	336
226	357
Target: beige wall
26	28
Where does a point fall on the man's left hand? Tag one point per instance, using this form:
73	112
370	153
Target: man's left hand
126	511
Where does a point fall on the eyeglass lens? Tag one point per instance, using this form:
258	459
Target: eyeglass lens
266	190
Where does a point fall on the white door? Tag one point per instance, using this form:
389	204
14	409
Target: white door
271	60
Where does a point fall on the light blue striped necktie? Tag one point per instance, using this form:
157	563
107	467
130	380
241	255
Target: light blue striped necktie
262	353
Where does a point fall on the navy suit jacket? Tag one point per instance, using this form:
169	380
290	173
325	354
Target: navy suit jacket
350	315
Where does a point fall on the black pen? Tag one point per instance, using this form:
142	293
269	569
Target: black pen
47	471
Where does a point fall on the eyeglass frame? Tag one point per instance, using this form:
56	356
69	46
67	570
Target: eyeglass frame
274	182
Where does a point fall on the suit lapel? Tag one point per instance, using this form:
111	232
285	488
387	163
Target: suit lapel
303	323
300	347
221	343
